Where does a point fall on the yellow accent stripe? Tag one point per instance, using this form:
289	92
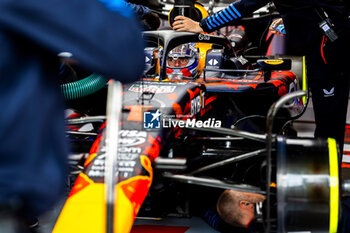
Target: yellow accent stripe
334	186
201	9
203	50
169	15
304	79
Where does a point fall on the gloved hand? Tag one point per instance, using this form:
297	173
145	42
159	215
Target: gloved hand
151	21
277	27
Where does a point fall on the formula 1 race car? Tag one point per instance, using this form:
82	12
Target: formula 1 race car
210	126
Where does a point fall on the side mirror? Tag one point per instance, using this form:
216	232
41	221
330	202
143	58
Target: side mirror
276	64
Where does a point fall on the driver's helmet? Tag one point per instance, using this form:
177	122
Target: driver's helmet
183	60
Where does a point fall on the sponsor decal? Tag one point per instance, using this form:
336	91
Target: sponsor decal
128	153
274	62
203	37
129	150
132	137
97	168
197	103
242	60
128	156
125	165
159	89
213	62
131	141
132	133
244	81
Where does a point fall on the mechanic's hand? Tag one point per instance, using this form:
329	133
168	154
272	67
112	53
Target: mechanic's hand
277	27
184	24
152	21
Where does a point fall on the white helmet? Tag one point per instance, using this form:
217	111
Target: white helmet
183	60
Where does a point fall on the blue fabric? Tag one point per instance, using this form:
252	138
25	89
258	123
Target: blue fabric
219	18
243	8
212	218
33	150
140	11
234	11
119	6
211	22
222	16
280	28
231	12
228	16
215	221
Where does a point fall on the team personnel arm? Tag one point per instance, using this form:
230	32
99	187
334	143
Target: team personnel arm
150	20
220	19
277	27
101	40
184	24
140	10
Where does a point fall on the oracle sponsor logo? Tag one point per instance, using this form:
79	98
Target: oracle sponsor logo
160	89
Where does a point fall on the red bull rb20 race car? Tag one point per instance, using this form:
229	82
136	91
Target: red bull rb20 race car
207	122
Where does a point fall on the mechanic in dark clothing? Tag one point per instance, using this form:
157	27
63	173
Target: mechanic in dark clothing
33	150
327	71
208	212
217	213
150	20
327	66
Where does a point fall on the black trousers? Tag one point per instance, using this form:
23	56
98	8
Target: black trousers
328	66
344	225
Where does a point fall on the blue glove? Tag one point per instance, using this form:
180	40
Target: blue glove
280	28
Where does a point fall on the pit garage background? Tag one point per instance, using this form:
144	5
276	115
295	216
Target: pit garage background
304	126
